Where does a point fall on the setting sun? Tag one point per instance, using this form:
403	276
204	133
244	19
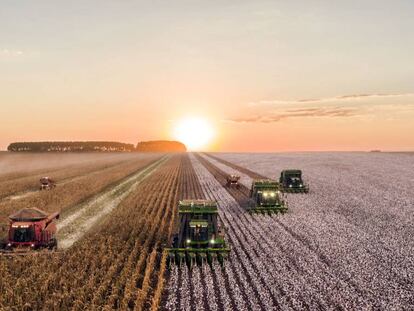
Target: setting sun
195	133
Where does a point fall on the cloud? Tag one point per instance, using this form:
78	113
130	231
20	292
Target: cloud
298	113
352	97
8	52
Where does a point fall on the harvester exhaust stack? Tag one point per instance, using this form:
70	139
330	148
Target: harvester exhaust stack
199	239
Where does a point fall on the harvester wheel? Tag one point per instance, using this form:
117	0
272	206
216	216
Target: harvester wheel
170	260
53	244
220	259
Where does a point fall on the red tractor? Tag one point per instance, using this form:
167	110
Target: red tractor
232	181
46	183
31	229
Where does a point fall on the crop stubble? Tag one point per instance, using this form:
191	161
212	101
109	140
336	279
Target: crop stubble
118	265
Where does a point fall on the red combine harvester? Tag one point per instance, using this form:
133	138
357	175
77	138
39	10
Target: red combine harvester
31	229
46	183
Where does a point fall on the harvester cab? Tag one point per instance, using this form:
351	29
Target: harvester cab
31	229
46	183
199	238
232	180
291	181
265	197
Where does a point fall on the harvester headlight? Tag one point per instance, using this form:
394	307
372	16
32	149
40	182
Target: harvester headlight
301	185
212	241
290	186
272	194
32	245
188	241
265	194
8	244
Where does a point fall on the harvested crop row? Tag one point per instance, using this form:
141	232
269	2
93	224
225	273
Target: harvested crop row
354	224
68	197
14	188
116	267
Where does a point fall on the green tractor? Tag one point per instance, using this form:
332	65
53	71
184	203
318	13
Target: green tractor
291	181
199	238
266	198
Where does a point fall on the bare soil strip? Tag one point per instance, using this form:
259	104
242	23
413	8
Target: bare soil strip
242	170
75	225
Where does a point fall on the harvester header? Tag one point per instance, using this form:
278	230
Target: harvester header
262	184
265	197
197	207
199	237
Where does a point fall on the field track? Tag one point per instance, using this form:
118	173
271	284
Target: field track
75	225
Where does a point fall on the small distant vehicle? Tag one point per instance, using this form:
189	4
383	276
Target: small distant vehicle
31	229
291	181
199	239
266	198
233	181
46	183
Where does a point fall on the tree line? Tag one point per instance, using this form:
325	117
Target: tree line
97	146
70	146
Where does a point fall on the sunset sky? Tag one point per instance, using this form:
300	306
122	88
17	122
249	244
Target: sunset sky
265	75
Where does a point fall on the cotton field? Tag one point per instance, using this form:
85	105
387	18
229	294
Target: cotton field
346	244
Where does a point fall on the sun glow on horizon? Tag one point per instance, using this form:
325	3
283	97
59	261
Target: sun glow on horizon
195	133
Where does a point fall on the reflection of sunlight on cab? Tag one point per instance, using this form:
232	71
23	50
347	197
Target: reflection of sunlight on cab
195	133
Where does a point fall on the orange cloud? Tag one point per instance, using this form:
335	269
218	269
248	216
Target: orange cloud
351	97
297	113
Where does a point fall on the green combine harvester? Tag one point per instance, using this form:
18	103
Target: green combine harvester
199	238
265	198
291	181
